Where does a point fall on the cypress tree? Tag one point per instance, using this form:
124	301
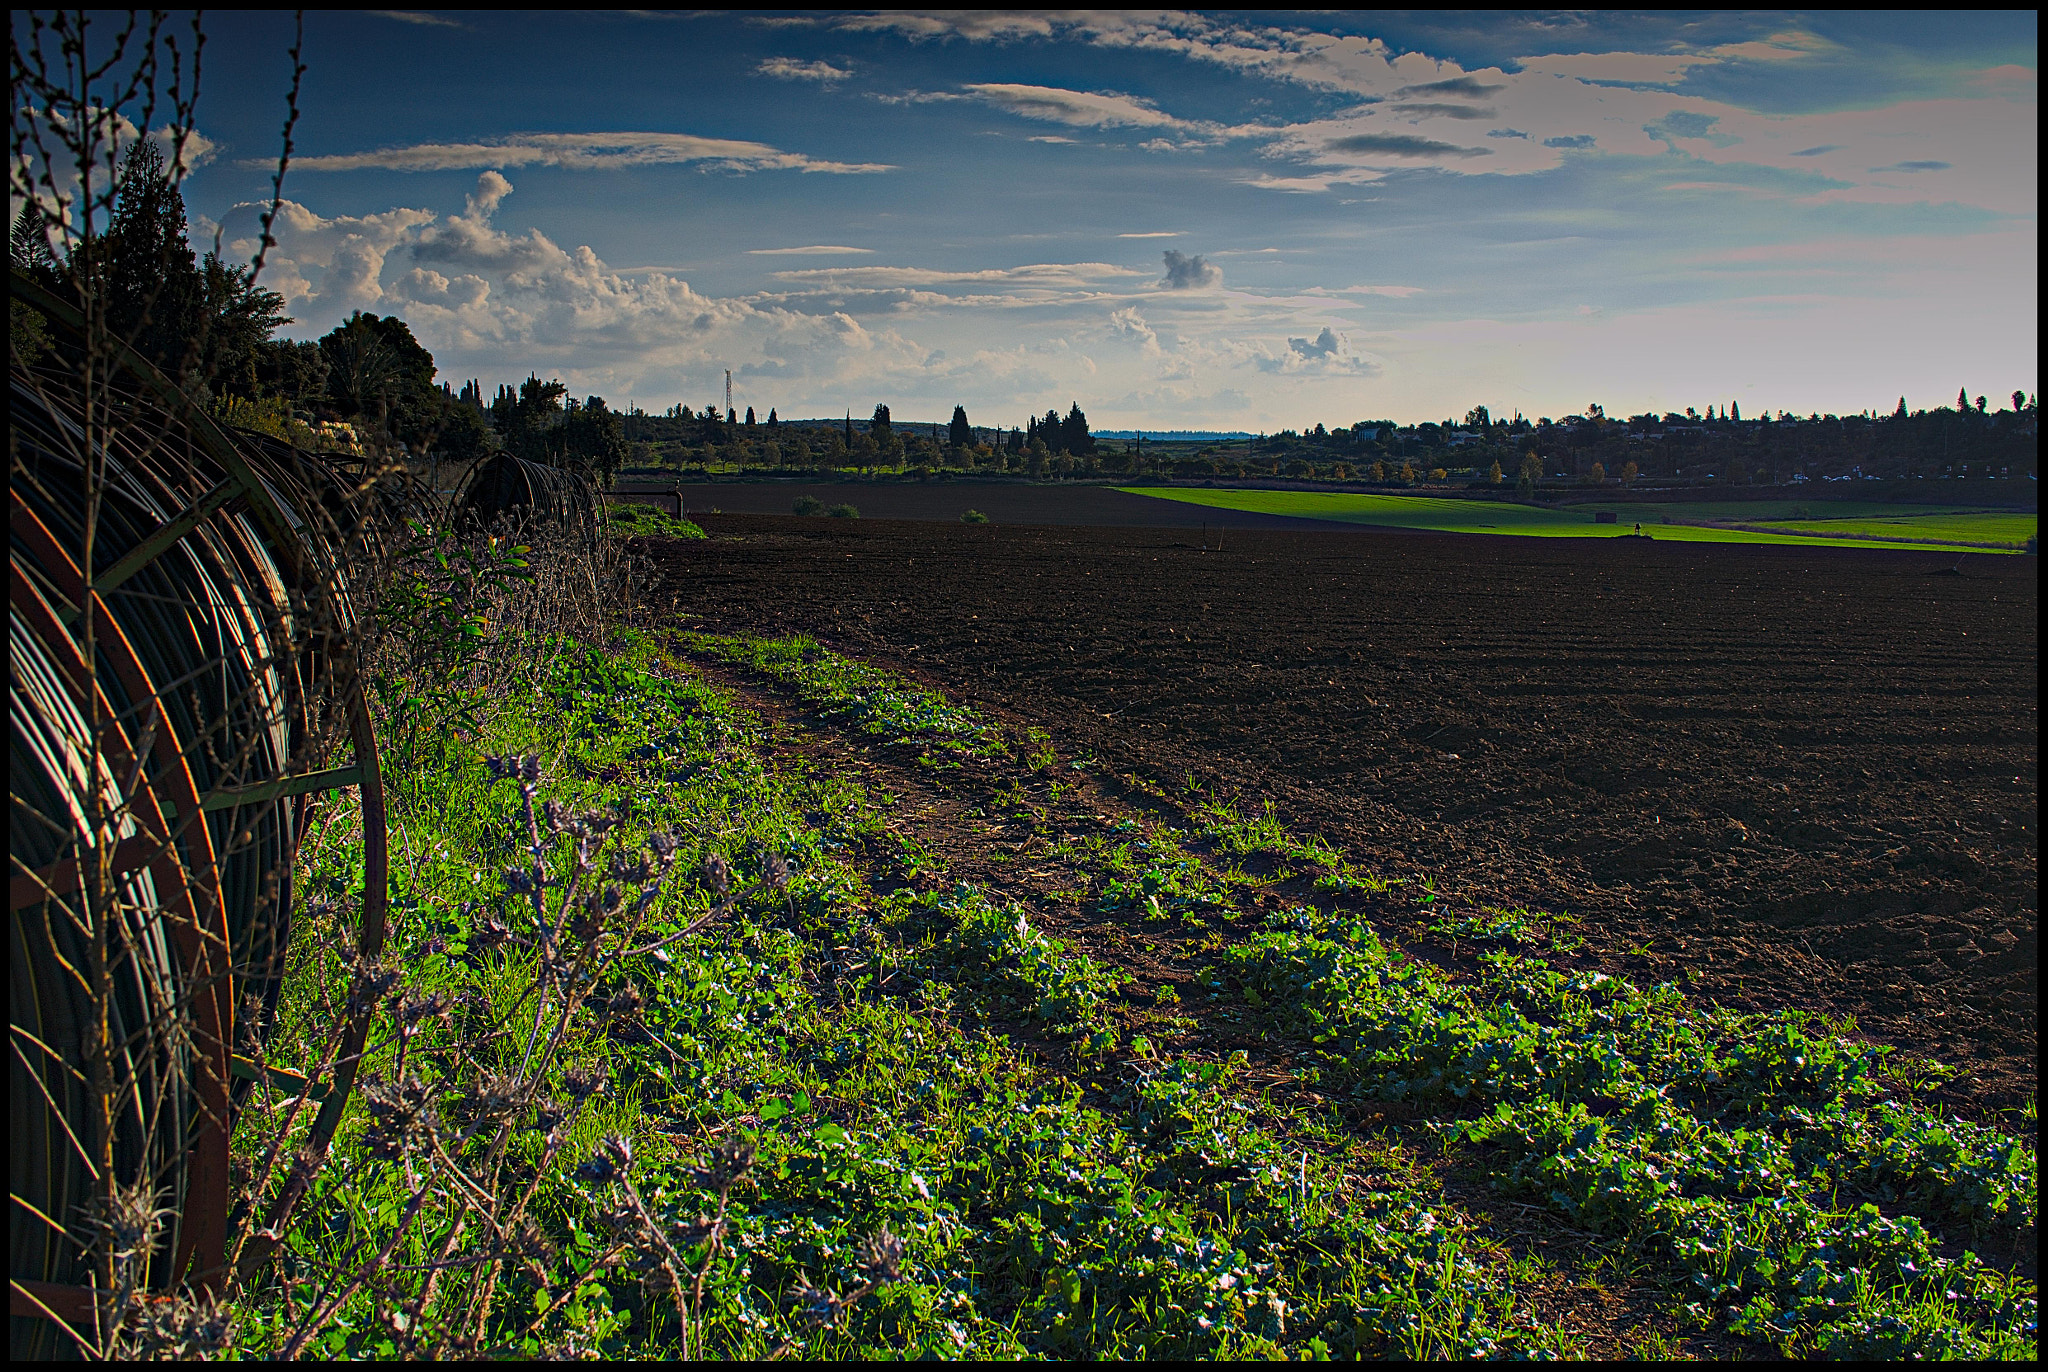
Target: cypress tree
960	433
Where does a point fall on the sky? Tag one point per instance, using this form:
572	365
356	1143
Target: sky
1175	219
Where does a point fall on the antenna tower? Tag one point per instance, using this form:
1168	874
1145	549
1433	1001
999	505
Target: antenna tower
728	390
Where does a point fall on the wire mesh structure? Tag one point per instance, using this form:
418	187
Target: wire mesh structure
182	678
512	487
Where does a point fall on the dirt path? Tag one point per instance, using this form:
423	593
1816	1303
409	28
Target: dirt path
999	825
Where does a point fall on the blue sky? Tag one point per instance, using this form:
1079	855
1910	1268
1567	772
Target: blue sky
1176	219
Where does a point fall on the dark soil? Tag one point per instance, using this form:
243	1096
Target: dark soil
1784	776
1004	502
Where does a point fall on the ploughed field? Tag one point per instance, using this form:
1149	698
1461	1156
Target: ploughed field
1778	776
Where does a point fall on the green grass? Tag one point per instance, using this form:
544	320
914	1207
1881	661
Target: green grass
1497	517
932	1058
636	519
2005	530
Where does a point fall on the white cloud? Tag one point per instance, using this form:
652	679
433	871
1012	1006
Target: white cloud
816	250
1082	109
1046	274
1156	233
1398	292
584	150
1129	325
790	69
1418	112
419	17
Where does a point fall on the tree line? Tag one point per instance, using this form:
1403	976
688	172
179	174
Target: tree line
209	325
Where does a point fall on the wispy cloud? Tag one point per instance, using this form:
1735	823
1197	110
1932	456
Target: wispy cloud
815	250
1082	109
1036	273
1155	233
790	69
585	150
1402	145
420	17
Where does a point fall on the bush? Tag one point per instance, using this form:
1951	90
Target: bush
974	517
808	505
843	512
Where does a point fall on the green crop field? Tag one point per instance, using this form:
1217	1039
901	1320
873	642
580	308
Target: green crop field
2005	528
1881	526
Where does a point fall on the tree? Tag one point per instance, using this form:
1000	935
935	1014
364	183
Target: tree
1494	474
1531	473
878	427
1478	418
527	419
143	269
1628	473
2019	401
750	416
960	433
1735	412
237	319
771	416
593	439
1980	404
1963	400
28	246
1074	435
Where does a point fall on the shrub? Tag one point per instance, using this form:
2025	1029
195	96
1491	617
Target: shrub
974	517
843	512
808	505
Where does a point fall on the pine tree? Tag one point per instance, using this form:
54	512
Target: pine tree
1074	435
1900	413
28	246
1963	399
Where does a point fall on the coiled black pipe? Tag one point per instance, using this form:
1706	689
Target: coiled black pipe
180	634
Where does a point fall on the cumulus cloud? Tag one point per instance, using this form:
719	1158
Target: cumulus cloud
484	299
1325	344
585	150
1185	273
1129	325
1328	352
790	69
